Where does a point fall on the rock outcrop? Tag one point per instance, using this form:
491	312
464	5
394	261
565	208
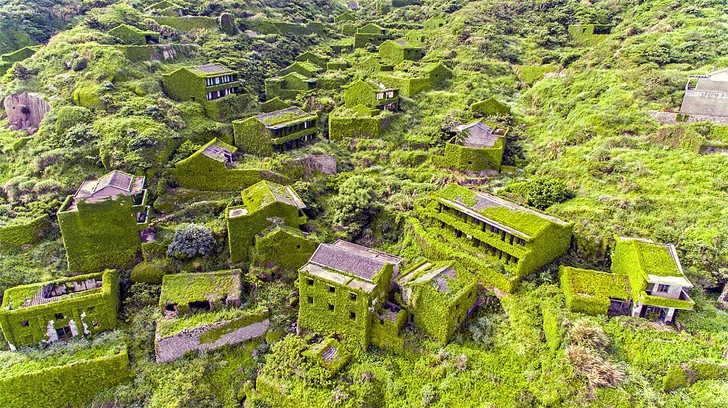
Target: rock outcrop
25	111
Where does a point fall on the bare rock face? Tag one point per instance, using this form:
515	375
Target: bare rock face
25	111
318	164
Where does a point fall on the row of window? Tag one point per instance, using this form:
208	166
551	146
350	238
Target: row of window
505	257
484	226
382	95
293	144
332	289
211	96
332	308
220	80
293	128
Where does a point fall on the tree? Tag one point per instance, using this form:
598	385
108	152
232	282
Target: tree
356	204
190	241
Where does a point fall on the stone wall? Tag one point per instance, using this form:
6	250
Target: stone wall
25	111
175	346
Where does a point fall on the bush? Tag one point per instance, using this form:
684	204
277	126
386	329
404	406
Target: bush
69	116
190	241
148	272
543	192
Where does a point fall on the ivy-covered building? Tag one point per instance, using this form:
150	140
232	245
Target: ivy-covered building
498	240
305	68
276	131
289	86
264	204
102	222
412	78
357	122
438	296
647	280
343	290
131	35
206	84
202	311
369	34
60	309
396	51
370	95
475	147
490	107
313	58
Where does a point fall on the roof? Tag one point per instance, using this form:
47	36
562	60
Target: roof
374	86
709	96
217	151
112	185
52	291
594	284
282	118
479	135
184	288
265	193
506	215
657	263
444	277
210	70
352	259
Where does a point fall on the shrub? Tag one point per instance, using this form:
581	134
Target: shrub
148	272
543	192
190	241
69	116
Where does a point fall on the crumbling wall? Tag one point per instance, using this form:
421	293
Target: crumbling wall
210	336
25	111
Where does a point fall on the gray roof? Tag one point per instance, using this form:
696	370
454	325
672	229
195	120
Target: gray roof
113	184
709	96
353	259
217	152
479	135
211	68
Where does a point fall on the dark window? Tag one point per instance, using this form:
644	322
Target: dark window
663	288
96	324
310	299
352	315
60	316
331	307
90	310
199	306
310	282
298	246
24	323
332	289
352	296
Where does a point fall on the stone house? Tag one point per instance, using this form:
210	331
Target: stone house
276	131
475	147
370	95
343	290
202	311
438	296
264	204
647	280
206	84
313	58
289	86
396	51
499	241
305	68
60	309
102	223
357	122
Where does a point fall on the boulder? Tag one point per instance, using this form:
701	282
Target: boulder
25	111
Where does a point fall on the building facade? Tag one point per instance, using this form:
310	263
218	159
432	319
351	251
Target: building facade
206	84
373	96
276	131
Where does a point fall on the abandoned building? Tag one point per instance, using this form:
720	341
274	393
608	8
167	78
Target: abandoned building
369	33
318	60
189	322
289	85
343	290
277	131
264	204
647	280
60	309
498	240
370	95
438	296
206	84
396	51
131	35
475	147
706	97
102	223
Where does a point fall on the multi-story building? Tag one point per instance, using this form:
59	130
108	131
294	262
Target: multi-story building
498	240
373	96
60	309
206	84
275	131
102	222
343	290
476	147
396	51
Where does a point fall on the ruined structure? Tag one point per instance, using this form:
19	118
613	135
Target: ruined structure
374	96
131	35
189	303
343	290
25	111
264	204
476	147
647	280
275	131
206	84
101	223
396	51
706	97
438	296
60	309
499	241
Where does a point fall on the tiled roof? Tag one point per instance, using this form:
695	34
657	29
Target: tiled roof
111	185
211	69
217	152
353	259
479	135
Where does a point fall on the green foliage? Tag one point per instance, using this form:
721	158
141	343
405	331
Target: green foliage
69	116
589	291
148	272
356	204
190	241
24	232
542	192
